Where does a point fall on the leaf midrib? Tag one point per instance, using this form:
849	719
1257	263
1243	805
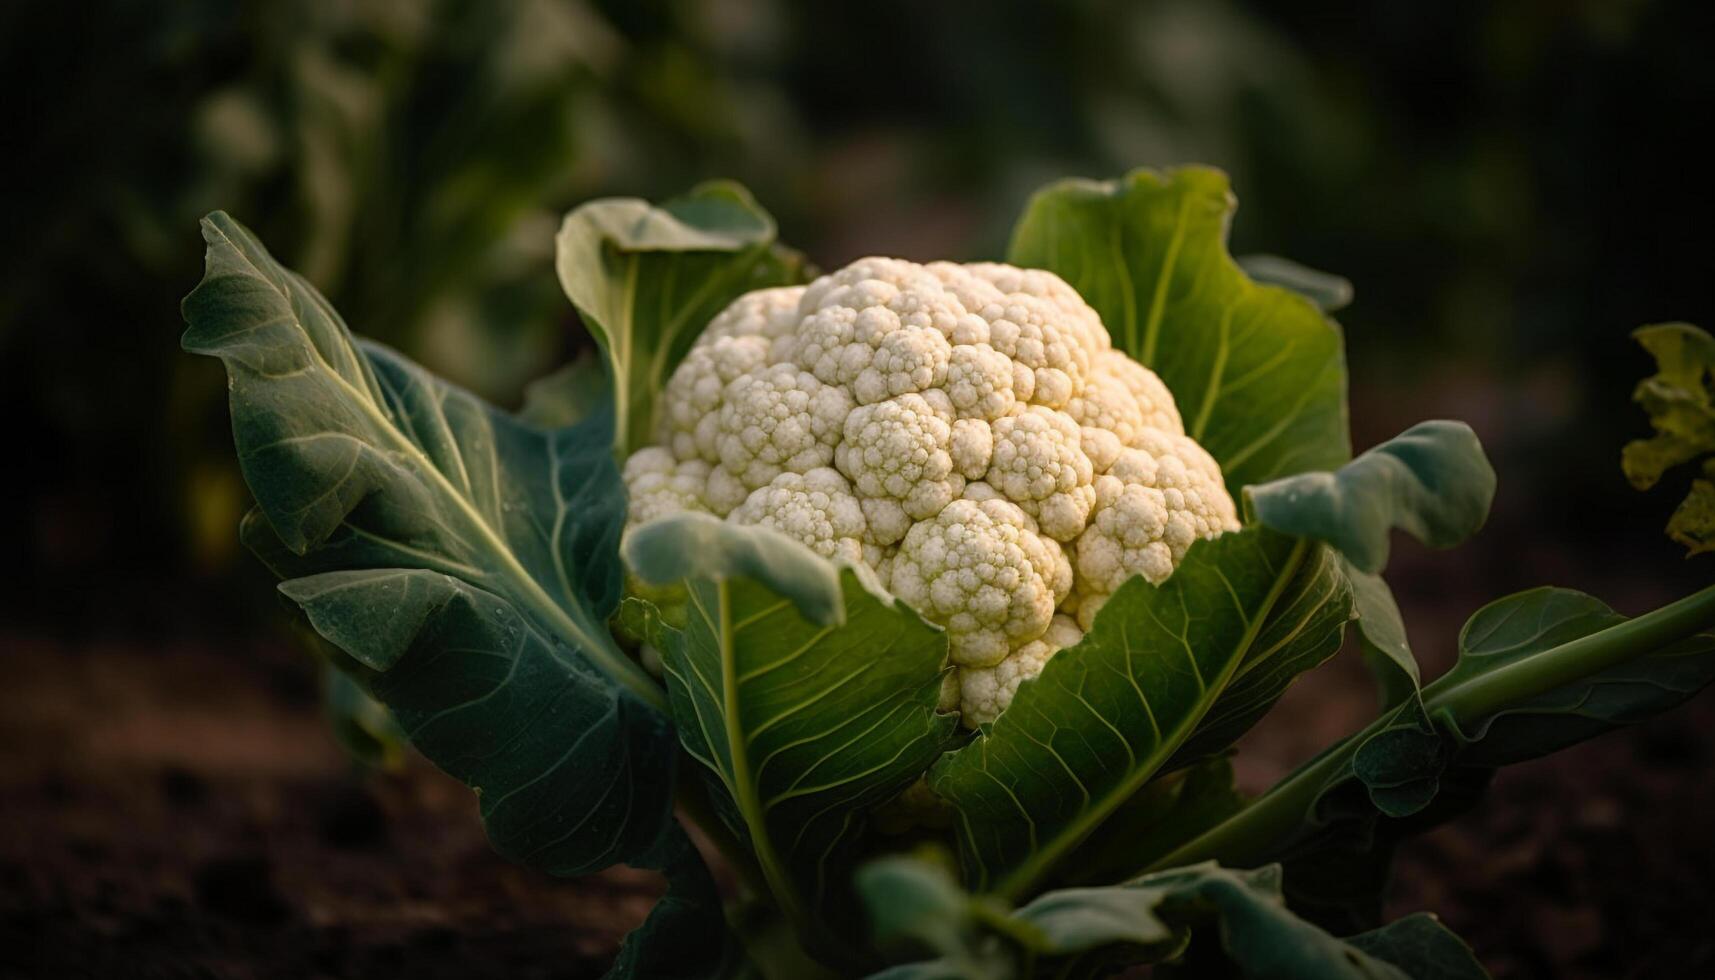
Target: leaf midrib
1045	855
616	667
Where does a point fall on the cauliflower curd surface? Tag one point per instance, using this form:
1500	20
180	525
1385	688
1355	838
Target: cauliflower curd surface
966	431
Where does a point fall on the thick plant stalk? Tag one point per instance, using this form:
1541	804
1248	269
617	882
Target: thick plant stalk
1248	836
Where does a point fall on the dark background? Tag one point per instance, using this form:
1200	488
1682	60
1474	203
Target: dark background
1511	187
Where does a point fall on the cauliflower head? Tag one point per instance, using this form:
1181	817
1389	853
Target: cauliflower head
967	432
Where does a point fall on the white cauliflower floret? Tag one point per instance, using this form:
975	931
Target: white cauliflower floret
1125	398
947	426
689	417
878	327
776	420
1152	504
771	314
978	570
817	508
1039	463
984	692
657	485
898	454
981	382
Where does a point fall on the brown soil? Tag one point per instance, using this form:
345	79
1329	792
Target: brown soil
183	812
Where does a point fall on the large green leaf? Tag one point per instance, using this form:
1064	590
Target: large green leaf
1432	481
1680	400
647	279
1258	371
466	560
809	695
1195	921
1105	715
1538	671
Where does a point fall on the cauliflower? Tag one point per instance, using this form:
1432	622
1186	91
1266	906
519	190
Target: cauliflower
967	432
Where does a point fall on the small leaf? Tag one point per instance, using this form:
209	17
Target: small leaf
647	279
362	725
1424	948
1678	399
808	696
1105	715
1381	630
1258	372
1329	292
1693	521
1432	481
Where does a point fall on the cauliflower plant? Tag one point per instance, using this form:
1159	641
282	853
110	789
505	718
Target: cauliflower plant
966	431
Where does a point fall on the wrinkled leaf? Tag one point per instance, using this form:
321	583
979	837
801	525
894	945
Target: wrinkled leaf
1258	371
1104	716
808	696
466	560
1678	400
646	279
1431	481
1693	521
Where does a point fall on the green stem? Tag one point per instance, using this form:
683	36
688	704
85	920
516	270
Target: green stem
1253	833
1537	674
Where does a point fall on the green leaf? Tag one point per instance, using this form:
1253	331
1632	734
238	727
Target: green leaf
1381	631
362	725
1105	715
1693	521
1205	919
647	279
1538	671
1169	810
1302	631
1680	400
686	935
1258	372
1432	481
1422	947
1500	728
1329	292
809	696
569	395
467	558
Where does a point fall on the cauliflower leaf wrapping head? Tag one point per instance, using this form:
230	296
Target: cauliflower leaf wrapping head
967	432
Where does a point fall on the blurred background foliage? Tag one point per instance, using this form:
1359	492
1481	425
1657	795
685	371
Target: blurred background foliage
1511	186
